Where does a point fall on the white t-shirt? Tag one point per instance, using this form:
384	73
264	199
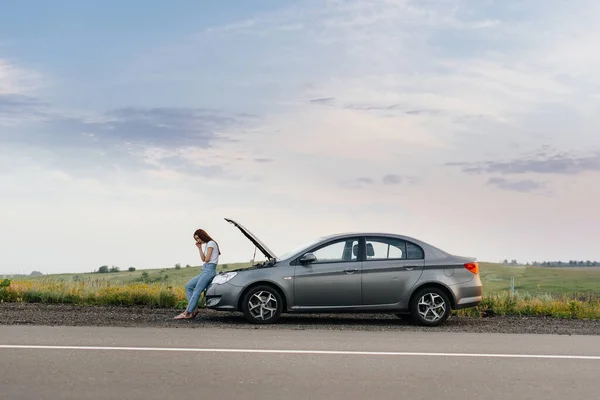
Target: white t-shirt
214	257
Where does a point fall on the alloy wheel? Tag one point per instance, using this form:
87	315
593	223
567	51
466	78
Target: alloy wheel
431	307
262	305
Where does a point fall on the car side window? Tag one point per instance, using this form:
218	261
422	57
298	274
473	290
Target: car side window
340	251
414	252
385	249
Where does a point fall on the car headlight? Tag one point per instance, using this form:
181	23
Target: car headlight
223	278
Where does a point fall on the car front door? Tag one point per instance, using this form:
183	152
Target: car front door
332	279
392	266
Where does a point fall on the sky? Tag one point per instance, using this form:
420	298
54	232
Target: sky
125	126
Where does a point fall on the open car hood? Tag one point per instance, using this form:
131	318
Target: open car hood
261	246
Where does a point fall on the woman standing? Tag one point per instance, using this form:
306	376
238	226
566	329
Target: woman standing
210	257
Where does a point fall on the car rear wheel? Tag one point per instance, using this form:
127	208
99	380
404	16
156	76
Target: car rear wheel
262	305
430	306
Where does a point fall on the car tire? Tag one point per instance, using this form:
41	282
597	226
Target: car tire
262	301
430	306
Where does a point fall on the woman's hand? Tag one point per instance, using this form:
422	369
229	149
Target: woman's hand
199	244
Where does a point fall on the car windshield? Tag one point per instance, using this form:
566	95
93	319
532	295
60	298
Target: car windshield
299	249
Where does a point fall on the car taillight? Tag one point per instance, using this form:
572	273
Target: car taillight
473	267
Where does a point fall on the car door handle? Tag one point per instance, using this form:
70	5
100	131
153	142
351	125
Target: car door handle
350	270
410	267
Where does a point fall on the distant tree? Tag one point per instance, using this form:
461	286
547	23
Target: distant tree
114	269
505	261
131	269
103	269
145	275
188	266
36	273
177	266
570	263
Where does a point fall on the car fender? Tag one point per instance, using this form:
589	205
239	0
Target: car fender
265	281
436	283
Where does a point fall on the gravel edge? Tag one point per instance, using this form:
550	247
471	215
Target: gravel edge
71	315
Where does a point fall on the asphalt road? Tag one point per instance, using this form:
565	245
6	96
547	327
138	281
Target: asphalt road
212	363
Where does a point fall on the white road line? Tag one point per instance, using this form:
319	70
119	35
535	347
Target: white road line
310	352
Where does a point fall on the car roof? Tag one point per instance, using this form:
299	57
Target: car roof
355	233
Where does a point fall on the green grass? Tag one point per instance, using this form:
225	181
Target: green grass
98	292
175	277
495	277
571	306
539	291
540	280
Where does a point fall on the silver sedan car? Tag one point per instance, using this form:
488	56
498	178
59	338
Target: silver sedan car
352	272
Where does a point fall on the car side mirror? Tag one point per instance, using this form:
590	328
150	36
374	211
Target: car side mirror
308	258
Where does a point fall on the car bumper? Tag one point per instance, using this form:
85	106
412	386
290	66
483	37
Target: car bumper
469	295
223	297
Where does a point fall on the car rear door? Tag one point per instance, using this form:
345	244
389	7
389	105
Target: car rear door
333	280
391	268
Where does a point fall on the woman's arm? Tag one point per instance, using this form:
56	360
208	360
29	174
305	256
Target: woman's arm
208	253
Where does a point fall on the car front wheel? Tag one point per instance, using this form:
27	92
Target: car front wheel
430	306
262	305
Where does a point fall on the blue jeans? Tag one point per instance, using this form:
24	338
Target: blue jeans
197	284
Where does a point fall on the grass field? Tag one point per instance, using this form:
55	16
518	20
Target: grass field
172	276
495	277
540	280
558	292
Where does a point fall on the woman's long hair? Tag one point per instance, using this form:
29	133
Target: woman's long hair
205	237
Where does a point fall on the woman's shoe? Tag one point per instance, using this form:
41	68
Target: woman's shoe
183	315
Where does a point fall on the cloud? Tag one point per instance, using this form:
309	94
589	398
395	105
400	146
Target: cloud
371	107
397	108
17	99
386	180
523	186
263	160
374	107
165	126
323	100
423	112
17	80
408	76
17	108
357	183
392	179
366	181
557	164
164	141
